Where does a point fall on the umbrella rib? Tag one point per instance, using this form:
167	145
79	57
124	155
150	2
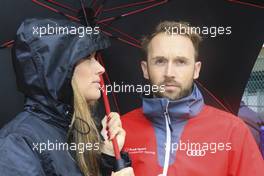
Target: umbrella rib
84	12
99	9
56	10
214	97
132	12
128	42
93	3
246	3
145	8
63	5
120	39
128	5
122	33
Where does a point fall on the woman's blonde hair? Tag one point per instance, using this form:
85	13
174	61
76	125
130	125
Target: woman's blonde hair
83	130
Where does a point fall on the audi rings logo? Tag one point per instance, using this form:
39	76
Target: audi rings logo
196	152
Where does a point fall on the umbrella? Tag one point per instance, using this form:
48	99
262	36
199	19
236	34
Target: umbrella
73	11
227	59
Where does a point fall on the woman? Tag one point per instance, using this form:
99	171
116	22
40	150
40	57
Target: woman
56	133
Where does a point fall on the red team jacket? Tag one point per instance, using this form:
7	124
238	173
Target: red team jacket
214	143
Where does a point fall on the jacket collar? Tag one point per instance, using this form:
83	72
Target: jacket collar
182	109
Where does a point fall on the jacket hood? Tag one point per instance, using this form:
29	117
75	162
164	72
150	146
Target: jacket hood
44	64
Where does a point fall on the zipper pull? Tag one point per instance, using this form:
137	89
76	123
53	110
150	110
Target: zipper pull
166	114
169	123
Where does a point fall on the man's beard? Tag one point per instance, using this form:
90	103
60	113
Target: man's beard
174	95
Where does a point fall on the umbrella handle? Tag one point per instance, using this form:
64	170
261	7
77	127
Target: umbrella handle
120	163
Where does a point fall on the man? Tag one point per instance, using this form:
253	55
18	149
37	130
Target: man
175	133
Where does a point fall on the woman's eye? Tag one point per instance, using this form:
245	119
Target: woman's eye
87	57
91	57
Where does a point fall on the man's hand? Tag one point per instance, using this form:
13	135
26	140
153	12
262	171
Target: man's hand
128	171
114	129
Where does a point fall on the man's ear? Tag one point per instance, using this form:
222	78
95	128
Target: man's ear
197	68
144	67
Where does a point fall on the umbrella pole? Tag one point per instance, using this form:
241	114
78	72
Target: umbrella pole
120	163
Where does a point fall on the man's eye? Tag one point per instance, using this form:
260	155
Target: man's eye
181	62
160	61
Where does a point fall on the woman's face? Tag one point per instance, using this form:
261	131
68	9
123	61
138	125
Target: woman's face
87	76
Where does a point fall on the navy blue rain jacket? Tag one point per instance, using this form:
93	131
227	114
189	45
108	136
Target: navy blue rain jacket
44	67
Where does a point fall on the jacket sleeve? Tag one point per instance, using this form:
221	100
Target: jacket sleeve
18	158
245	158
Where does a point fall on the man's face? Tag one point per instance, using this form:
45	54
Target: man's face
171	62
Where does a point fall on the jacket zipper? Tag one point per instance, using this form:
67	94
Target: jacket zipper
168	141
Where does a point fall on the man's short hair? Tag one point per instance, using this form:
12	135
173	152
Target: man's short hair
179	28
